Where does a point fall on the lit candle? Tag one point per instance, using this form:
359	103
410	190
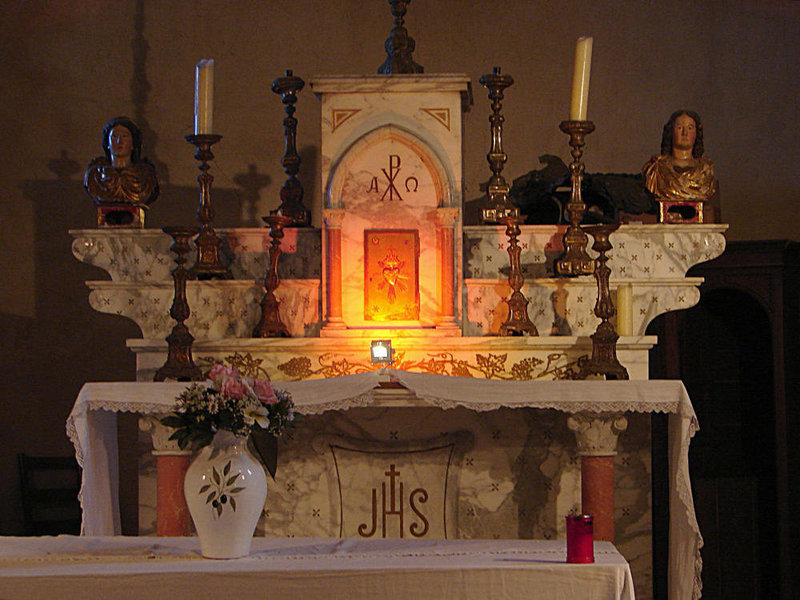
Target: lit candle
580	79
625	309
204	96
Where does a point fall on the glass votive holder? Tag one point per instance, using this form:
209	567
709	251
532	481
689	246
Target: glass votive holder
580	539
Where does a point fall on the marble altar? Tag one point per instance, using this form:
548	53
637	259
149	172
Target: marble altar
393	259
508	488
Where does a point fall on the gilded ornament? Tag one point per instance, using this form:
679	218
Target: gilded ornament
489	366
681	173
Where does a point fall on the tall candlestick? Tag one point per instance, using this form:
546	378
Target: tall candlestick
204	96
580	79
604	340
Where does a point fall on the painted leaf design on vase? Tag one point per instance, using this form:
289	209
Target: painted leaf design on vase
222	490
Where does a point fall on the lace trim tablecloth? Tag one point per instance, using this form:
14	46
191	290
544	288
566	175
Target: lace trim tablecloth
92	428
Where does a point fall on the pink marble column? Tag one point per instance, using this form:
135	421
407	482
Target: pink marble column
597	435
173	517
446	219
172	513
332	219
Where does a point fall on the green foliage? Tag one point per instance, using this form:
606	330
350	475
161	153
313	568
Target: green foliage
232	403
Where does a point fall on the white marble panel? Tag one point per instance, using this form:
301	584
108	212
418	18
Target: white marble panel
664	251
560	307
127	255
427	106
219	309
143	255
372	201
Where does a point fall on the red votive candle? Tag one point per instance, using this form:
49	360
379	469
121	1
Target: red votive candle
580	539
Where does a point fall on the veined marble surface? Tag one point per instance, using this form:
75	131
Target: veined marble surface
391	155
143	255
219	309
409	204
429	107
639	252
566	306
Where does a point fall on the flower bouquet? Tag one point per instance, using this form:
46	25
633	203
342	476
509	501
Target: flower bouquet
244	406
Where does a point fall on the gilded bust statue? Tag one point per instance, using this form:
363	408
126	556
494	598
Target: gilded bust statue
681	172
121	182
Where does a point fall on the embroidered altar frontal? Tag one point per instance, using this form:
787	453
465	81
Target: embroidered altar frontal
422	473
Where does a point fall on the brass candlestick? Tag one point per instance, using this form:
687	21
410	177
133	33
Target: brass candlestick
270	324
517	322
292	191
604	339
575	261
501	210
179	365
209	262
399	45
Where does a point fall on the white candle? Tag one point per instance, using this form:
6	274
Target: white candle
204	96
625	309
580	79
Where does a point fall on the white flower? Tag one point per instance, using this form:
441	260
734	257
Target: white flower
257	414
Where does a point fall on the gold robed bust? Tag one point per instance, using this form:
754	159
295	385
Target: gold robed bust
681	173
121	183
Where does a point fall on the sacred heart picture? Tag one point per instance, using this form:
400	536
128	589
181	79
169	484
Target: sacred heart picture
391	275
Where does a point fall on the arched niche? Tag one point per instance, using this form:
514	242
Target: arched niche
390	198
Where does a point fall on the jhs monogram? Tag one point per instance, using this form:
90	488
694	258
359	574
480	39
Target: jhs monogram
396	501
411	183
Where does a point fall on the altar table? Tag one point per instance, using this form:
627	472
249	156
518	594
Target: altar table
70	567
92	428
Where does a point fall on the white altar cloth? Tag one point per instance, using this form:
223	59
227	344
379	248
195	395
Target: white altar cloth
70	567
92	428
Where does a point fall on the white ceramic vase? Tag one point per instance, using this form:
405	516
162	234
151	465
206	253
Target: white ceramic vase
225	488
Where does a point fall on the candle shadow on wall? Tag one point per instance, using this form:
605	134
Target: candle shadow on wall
251	182
308	176
67	343
536	482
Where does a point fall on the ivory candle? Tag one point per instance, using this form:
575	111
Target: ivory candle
625	309
580	79
204	96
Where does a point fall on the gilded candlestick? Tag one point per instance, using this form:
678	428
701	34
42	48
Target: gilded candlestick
399	45
179	365
575	261
517	322
292	191
604	340
271	324
209	256
502	210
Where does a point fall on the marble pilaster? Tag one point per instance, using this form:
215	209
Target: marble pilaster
173	517
597	436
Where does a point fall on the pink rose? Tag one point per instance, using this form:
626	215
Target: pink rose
264	391
233	387
220	373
